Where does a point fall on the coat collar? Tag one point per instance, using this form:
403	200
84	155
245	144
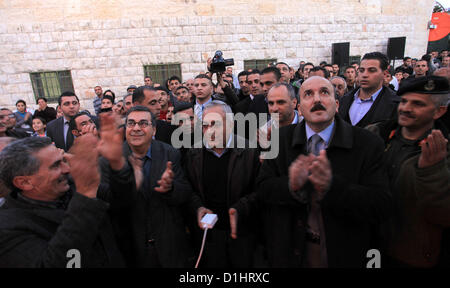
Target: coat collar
342	136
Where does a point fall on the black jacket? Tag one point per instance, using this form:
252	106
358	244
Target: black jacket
384	107
48	114
55	131
40	236
243	167
358	199
144	218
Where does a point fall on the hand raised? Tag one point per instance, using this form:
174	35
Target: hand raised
320	174
434	149
298	172
83	161
165	183
111	140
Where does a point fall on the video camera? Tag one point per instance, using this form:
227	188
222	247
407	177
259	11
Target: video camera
219	64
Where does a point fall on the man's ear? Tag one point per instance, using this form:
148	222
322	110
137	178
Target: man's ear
75	133
23	183
439	112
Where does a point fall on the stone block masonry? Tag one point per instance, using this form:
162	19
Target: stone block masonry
111	50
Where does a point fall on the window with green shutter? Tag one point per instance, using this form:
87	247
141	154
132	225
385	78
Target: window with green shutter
259	64
162	72
51	84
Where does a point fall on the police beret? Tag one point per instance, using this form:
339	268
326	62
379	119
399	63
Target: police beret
424	85
131	87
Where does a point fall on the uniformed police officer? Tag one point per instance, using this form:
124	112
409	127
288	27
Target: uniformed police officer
417	155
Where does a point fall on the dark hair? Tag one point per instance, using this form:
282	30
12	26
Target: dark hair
181	87
108	97
243	73
306	64
138	94
399	70
384	61
328	65
21	101
273	70
40	118
326	74
254	71
147	76
406	58
161	88
174	77
140	108
73	124
323	63
349	67
113	95
43	98
19	159
203	76
356	62
425	59
67	94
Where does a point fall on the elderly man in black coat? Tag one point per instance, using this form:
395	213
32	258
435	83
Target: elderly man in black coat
223	174
326	192
45	221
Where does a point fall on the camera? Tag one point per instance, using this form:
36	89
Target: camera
219	64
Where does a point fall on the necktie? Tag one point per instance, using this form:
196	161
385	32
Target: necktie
66	139
315	144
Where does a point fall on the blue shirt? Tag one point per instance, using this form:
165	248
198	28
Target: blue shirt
360	107
325	134
198	108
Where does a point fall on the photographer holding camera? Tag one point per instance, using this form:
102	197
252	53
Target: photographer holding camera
203	85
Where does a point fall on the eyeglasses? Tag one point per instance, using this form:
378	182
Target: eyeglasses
9	116
142	123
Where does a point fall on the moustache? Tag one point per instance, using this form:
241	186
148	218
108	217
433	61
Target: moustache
406	114
63	178
318	107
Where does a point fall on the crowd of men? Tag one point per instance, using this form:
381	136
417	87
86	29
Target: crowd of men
362	163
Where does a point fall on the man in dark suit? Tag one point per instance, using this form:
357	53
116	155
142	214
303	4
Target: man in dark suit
372	102
147	216
58	130
326	191
45	217
147	96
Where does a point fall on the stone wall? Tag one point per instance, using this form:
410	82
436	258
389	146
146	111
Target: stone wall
107	42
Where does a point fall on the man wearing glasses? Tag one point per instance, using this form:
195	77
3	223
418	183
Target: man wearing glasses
147	216
7	123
